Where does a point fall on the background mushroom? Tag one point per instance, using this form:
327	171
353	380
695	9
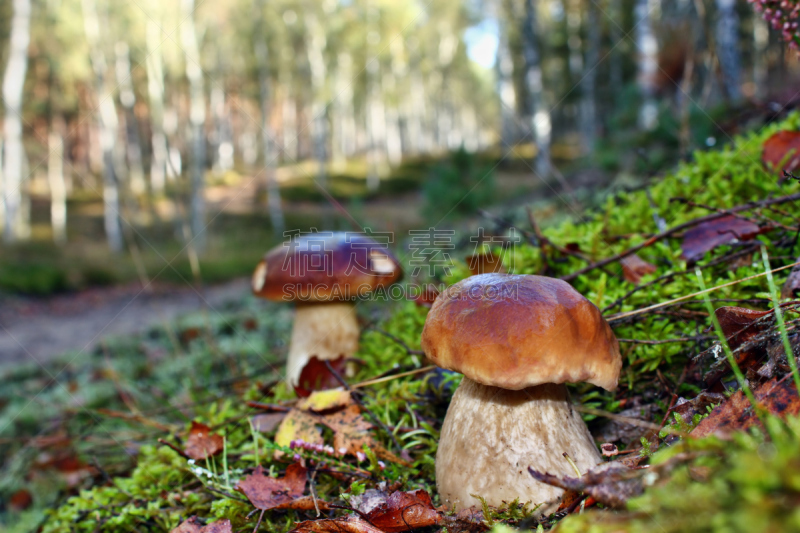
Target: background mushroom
517	340
323	274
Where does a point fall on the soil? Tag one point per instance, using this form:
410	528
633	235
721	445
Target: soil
39	329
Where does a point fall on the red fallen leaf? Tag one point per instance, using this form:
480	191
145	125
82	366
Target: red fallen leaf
404	511
201	443
267	422
634	268
484	263
195	525
782	151
347	524
286	492
778	397
740	324
352	432
316	376
20	500
791	288
426	296
708	235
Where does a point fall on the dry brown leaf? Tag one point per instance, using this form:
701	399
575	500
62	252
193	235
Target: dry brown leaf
485	263
708	235
201	443
735	414
298	425
286	492
791	288
195	525
352	432
316	376
348	524
404	511
634	268
782	151
20	500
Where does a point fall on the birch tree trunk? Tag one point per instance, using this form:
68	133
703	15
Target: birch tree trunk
504	65
647	60
155	92
588	108
107	127
13	83
615	79
197	120
315	45
267	135
58	186
538	113
760	59
727	36
345	123
127	97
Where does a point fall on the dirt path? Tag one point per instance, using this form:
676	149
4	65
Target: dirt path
41	329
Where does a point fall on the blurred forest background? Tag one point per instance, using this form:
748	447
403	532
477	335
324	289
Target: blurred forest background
179	140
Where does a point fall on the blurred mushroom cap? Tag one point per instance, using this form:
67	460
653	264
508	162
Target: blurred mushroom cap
325	266
518	331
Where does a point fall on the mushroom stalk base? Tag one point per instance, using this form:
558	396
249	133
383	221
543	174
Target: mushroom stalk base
326	331
491	436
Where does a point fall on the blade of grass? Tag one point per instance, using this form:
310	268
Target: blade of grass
773	292
724	342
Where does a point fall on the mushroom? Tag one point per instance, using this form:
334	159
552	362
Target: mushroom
517	339
324	274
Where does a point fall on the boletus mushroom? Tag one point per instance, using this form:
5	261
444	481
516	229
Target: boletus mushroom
517	339
323	274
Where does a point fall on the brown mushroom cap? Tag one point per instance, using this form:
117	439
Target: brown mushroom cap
518	331
325	267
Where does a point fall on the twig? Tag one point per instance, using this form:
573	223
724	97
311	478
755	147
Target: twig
664	234
260	517
667	341
393	376
617	418
620	316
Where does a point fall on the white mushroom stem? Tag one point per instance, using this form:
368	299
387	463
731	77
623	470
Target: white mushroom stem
491	436
325	330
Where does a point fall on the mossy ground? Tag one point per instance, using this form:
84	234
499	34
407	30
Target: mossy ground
109	408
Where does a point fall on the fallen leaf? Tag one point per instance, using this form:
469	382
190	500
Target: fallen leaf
266	492
611	484
298	425
316	376
201	443
352	432
20	500
267	422
735	414
485	263
404	511
791	288
195	525
347	524
426	296
634	268
327	400
708	235
782	151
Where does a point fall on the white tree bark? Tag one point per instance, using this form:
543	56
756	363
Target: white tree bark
345	121
13	83
155	92
197	120
58	187
504	68
538	113
267	135
588	107
315	47
107	127
127	97
647	60
727	36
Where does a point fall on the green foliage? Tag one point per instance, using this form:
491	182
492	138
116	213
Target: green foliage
458	187
748	484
